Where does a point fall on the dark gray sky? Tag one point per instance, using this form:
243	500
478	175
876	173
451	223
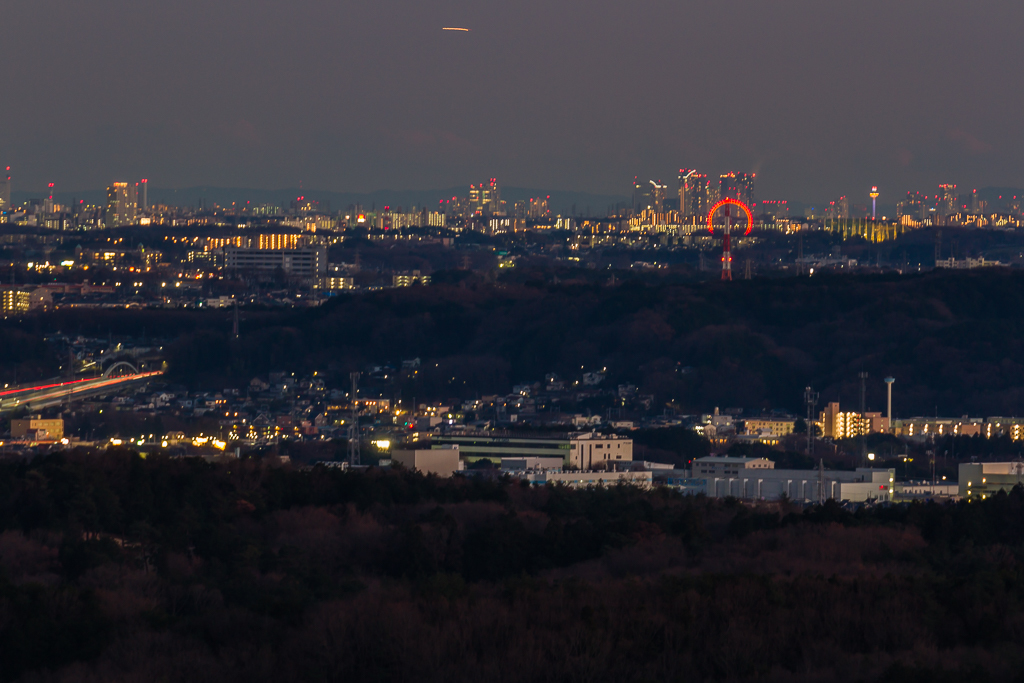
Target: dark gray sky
819	97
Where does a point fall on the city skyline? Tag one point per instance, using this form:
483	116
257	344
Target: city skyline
816	102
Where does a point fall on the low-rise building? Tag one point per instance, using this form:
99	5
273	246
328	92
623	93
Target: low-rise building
583	451
582	480
443	461
37	429
773	426
757	479
979	480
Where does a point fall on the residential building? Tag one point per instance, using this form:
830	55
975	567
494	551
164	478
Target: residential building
15	301
409	279
122	205
307	263
37	429
773	426
836	424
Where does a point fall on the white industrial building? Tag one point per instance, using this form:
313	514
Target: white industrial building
757	479
982	479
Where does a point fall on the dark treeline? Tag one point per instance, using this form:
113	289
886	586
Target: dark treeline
114	568
953	340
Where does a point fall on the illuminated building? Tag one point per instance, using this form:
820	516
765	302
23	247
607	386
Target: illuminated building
641	195
539	207
409	279
838	210
37	429
738	186
979	480
915	207
839	425
874	203
15	302
122	205
690	189
948	201
779	208
485	198
658	194
337	283
775	427
280	241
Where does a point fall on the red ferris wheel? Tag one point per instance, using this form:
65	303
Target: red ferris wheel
726	251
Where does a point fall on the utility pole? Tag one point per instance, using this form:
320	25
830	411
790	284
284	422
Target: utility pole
888	385
353	428
811	399
862	430
821	481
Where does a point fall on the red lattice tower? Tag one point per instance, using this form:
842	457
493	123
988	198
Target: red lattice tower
726	243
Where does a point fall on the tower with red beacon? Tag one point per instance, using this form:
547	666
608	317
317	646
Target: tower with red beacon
728	203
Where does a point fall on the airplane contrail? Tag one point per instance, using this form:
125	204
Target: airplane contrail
448	28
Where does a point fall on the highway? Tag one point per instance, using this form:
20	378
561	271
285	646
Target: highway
56	392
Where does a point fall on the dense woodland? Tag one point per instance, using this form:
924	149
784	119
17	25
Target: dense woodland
115	568
953	340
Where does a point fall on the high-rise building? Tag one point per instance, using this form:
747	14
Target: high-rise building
641	195
144	205
839	209
947	201
658	193
122	205
688	179
5	190
484	198
539	207
916	207
738	186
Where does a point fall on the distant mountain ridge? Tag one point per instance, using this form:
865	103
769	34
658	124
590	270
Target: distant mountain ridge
560	202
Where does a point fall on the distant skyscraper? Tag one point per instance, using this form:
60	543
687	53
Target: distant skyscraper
5	190
641	195
947	201
737	186
485	198
916	206
145	194
687	190
839	209
122	205
658	194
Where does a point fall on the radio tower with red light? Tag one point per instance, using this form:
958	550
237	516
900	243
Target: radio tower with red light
726	240
874	199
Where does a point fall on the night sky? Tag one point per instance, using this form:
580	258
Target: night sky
819	97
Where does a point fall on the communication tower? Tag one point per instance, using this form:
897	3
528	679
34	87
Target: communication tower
874	206
726	242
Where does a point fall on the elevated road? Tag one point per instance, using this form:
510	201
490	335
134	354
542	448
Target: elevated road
56	392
